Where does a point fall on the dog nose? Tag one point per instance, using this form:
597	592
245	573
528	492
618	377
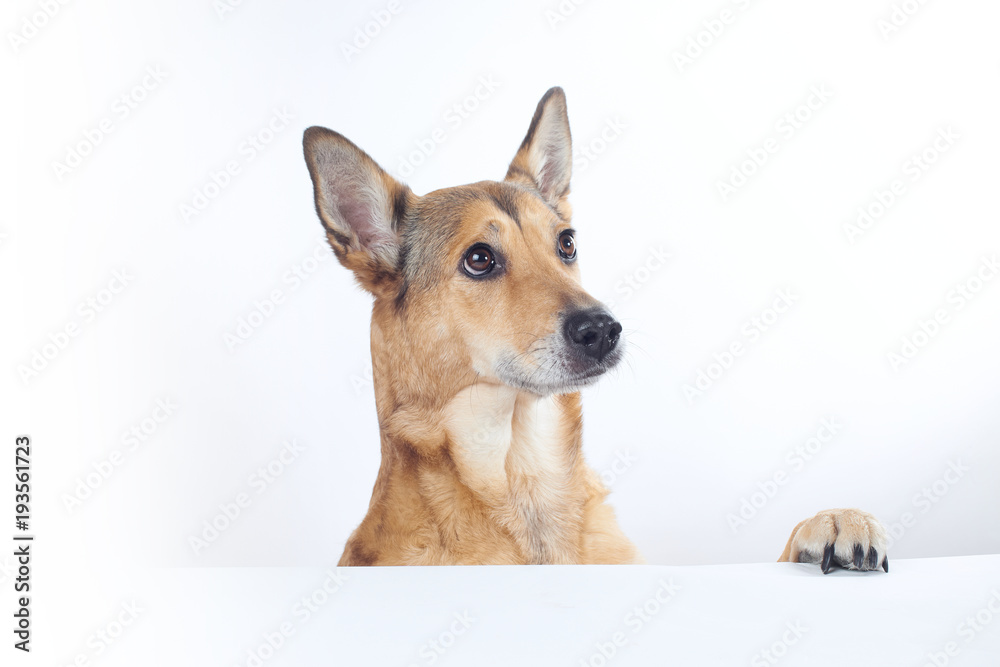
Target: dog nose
593	331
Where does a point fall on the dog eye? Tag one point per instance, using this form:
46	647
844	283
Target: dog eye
567	245
479	261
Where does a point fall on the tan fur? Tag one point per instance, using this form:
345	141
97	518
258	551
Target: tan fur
501	482
475	391
843	530
475	471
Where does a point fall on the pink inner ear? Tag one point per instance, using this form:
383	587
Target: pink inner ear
551	174
546	175
358	216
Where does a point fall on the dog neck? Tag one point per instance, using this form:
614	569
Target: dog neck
518	454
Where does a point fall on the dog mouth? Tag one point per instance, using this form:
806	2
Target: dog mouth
556	370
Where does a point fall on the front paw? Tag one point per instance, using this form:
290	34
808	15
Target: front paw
847	538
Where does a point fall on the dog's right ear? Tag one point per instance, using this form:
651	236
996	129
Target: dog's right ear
361	206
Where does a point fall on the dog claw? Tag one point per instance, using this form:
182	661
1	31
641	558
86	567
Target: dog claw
859	556
872	563
827	565
885	563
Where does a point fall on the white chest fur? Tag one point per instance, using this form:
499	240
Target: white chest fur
511	449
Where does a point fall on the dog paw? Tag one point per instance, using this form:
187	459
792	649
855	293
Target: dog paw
847	538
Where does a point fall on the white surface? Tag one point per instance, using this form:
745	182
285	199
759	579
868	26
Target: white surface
556	615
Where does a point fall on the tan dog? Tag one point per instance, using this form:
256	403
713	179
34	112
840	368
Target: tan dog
481	335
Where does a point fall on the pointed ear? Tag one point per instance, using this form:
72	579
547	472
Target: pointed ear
545	159
361	206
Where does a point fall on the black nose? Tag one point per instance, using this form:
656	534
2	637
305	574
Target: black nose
593	331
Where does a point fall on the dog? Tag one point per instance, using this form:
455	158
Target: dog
481	338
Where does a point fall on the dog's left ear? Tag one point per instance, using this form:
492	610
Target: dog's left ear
361	206
545	159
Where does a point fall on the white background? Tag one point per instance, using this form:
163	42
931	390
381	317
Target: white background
301	375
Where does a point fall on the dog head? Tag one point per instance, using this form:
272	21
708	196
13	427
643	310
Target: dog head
484	275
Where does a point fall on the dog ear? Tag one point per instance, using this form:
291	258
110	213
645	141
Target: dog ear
361	206
545	159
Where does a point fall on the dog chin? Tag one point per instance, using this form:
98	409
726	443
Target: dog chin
561	381
549	388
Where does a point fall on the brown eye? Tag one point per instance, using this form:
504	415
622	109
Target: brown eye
567	246
479	261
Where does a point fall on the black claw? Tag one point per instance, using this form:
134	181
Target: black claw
859	556
872	563
827	559
885	563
